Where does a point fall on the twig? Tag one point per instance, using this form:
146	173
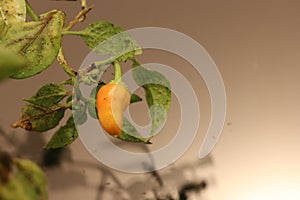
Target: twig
79	17
66	67
83	4
31	13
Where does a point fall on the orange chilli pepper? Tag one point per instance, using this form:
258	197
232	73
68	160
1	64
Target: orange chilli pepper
112	101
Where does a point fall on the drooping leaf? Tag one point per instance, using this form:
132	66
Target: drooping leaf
11	11
159	99
48	95
158	93
130	134
64	136
10	63
38	41
35	118
111	40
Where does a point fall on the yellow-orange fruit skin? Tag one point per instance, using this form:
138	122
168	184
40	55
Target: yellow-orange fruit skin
112	100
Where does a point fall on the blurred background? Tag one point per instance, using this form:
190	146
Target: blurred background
256	47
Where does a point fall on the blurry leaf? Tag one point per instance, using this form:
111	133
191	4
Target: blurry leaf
11	11
48	95
38	41
10	63
64	136
79	112
158	93
102	32
34	176
5	167
27	182
39	119
130	134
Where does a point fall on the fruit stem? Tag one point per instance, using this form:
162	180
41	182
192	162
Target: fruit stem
118	72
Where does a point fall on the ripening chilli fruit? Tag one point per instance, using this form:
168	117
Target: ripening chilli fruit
112	101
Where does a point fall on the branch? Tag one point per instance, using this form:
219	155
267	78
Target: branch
80	17
31	13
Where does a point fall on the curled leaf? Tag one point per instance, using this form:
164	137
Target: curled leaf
130	134
39	119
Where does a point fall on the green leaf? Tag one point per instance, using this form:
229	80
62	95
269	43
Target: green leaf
38	41
10	63
27	182
130	134
35	118
11	11
101	33
48	95
158	93
64	136
135	98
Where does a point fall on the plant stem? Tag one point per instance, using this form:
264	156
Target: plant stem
83	4
79	18
118	71
72	32
31	13
104	62
68	69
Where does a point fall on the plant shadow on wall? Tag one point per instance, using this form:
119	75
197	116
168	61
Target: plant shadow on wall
179	182
29	43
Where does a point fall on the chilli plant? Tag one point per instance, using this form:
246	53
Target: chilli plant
29	43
